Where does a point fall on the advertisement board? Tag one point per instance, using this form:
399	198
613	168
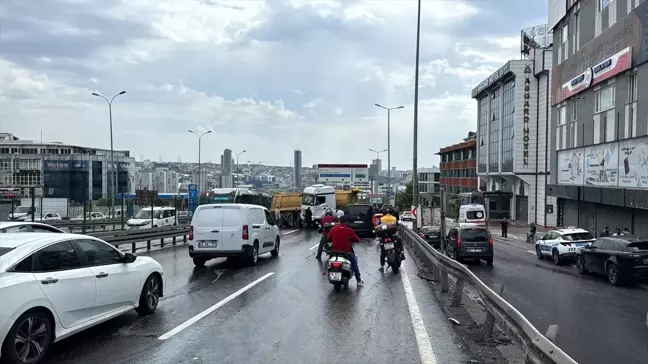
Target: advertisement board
570	167
56	165
193	197
602	165
342	173
633	163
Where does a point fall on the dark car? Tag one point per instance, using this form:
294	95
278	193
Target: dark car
621	258
470	243
431	234
360	218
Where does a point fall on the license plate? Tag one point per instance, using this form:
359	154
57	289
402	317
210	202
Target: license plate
580	244
335	276
389	246
358	222
208	244
474	250
645	260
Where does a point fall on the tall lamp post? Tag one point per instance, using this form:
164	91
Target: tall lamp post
416	98
112	157
389	109
199	168
237	161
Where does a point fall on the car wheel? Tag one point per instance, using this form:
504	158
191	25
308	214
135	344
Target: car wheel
489	261
150	296
253	256
539	253
613	274
275	251
29	338
199	262
580	265
556	257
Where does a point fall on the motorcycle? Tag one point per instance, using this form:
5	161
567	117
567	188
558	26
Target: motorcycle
338	270
389	242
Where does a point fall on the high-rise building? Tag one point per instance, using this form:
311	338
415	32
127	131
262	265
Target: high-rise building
599	170
298	164
227	164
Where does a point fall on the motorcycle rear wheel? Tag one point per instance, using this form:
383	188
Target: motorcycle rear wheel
337	287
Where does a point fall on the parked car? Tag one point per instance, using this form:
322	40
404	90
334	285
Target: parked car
90	216
431	234
360	218
622	258
56	285
153	217
562	244
407	216
470	242
50	216
232	230
27	227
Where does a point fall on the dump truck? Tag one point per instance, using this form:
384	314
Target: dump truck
320	197
289	205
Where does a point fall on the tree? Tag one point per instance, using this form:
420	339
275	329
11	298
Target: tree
404	199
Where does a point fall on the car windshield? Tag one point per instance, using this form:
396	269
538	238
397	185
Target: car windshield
145	214
578	236
87	215
21	209
358	211
638	247
430	229
475	214
475	235
308	199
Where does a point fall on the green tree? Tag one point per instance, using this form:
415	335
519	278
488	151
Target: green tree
404	198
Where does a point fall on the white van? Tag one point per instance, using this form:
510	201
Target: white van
162	216
232	230
473	213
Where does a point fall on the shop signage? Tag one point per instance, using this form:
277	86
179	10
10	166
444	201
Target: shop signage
492	79
65	165
607	69
525	113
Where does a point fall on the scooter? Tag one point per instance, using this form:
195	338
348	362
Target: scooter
338	270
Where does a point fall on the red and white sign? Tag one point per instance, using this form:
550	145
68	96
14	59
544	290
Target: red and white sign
607	69
414	211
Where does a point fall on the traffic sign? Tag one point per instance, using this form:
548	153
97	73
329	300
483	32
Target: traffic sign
414	211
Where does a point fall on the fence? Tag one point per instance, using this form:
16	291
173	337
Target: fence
137	238
538	348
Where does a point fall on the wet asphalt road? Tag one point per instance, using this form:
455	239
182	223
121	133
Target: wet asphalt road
294	316
599	323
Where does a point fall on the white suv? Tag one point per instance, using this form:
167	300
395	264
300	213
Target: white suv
232	230
561	244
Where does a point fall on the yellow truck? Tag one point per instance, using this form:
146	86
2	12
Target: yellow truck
291	204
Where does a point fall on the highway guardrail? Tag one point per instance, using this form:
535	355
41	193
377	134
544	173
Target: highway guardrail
538	348
150	236
97	224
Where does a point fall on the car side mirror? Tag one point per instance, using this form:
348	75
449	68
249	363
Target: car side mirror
129	258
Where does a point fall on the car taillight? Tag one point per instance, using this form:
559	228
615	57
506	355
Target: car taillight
490	241
336	265
387	240
190	232
245	235
422	236
458	243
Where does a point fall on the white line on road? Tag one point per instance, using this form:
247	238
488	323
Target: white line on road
532	252
314	246
213	308
290	232
422	339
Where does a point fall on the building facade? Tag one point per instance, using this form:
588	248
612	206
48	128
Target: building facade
512	140
599	125
429	186
227	167
63	170
298	164
458	166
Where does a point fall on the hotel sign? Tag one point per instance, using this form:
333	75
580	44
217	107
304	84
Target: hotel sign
492	79
607	69
525	113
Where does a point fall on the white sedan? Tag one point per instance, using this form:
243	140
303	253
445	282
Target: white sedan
56	285
407	216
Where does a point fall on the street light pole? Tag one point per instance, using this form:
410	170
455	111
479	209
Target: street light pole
112	151
199	149
389	109
237	160
416	98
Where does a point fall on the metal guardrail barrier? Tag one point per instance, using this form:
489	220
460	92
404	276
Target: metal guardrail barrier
96	224
538	348
150	235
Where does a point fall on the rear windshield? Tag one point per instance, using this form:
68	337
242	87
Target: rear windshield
225	217
430	229
474	214
475	235
634	247
4	251
578	236
359	210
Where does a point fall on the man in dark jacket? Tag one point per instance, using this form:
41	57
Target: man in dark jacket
308	216
504	224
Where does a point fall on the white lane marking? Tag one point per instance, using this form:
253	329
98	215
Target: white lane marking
422	339
532	252
290	232
314	246
213	308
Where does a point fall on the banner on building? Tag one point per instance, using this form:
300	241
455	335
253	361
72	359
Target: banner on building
633	163
602	165
570	167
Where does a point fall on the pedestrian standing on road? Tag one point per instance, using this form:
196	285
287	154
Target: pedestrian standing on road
308	216
625	231
504	224
617	232
606	231
277	216
532	232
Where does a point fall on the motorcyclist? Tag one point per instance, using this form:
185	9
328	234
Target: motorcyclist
339	213
326	219
388	218
343	238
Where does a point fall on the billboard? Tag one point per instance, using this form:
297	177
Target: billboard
633	163
57	165
342	173
602	165
570	167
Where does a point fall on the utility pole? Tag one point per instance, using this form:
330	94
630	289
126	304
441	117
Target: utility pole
416	99
389	109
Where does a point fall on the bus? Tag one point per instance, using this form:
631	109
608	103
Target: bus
240	195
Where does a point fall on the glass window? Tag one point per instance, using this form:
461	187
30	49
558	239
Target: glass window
604	99
564	33
99	253
211	216
18	229
321	200
358	210
508	122
494	119
574	110
474	215
562	115
475	235
638	247
44	229
632	88
598	243
608	245
4	251
269	218
25	266
231	217
59	256
578	236
257	217
483	133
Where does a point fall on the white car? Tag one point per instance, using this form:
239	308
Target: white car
159	216
91	216
407	216
562	244
27	227
50	216
56	285
232	230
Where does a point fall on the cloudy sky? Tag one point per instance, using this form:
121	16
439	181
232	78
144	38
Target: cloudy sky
265	76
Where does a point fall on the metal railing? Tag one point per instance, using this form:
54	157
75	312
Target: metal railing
97	224
149	236
538	348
